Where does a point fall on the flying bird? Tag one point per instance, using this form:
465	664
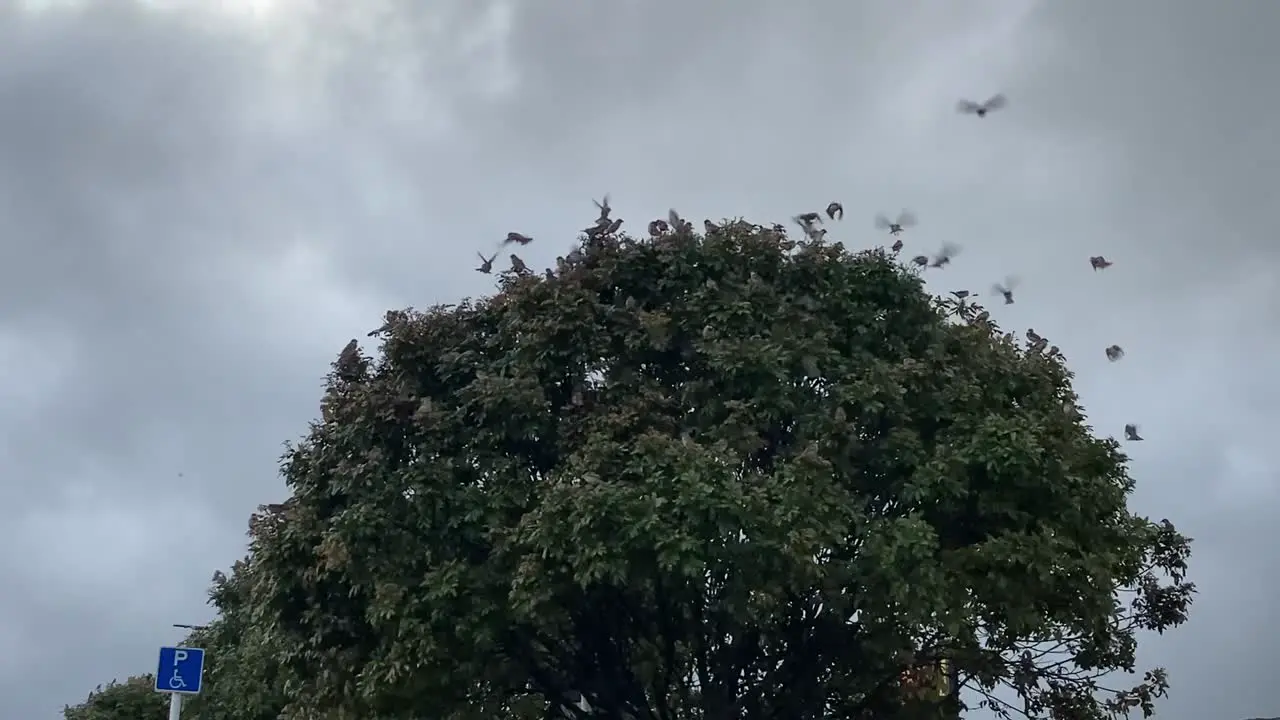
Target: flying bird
677	223
1131	433
518	265
961	294
995	102
658	227
897	247
605	209
515	237
1097	262
486	263
944	256
895	227
1005	289
807	219
1114	353
921	260
835	209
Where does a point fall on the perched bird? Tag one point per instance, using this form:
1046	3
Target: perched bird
835	209
709	226
995	102
1131	433
1097	262
550	274
518	265
1033	337
603	206
349	367
658	227
1114	353
895	227
961	294
815	233
601	227
1006	289
613	226
897	247
807	219
943	258
515	237
390	321
921	260
780	228
486	263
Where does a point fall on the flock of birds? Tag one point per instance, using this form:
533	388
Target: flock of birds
812	223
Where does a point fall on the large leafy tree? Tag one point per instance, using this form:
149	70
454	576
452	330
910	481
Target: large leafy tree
731	476
133	699
242	667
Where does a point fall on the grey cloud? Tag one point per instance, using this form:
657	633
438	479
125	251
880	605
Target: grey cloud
195	216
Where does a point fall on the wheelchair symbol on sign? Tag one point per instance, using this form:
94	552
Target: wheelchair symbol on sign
176	682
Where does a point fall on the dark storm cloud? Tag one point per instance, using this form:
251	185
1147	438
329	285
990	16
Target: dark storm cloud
179	200
196	213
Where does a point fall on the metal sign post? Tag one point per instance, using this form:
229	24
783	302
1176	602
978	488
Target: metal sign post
179	672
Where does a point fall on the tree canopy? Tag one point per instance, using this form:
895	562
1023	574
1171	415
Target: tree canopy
133	699
712	476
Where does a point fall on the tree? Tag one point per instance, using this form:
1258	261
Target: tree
731	476
133	699
241	664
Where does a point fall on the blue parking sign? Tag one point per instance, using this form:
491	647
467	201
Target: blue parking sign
181	670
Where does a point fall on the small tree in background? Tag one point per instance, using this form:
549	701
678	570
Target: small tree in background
731	476
133	699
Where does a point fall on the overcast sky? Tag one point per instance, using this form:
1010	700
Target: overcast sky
199	209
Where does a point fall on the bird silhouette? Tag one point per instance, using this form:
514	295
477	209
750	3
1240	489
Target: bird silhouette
808	218
605	209
486	263
1097	262
921	260
601	227
1114	353
658	227
961	294
897	247
835	210
613	226
709	227
1005	289
1131	433
349	367
518	265
895	227
944	256
515	237
1033	336
995	102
